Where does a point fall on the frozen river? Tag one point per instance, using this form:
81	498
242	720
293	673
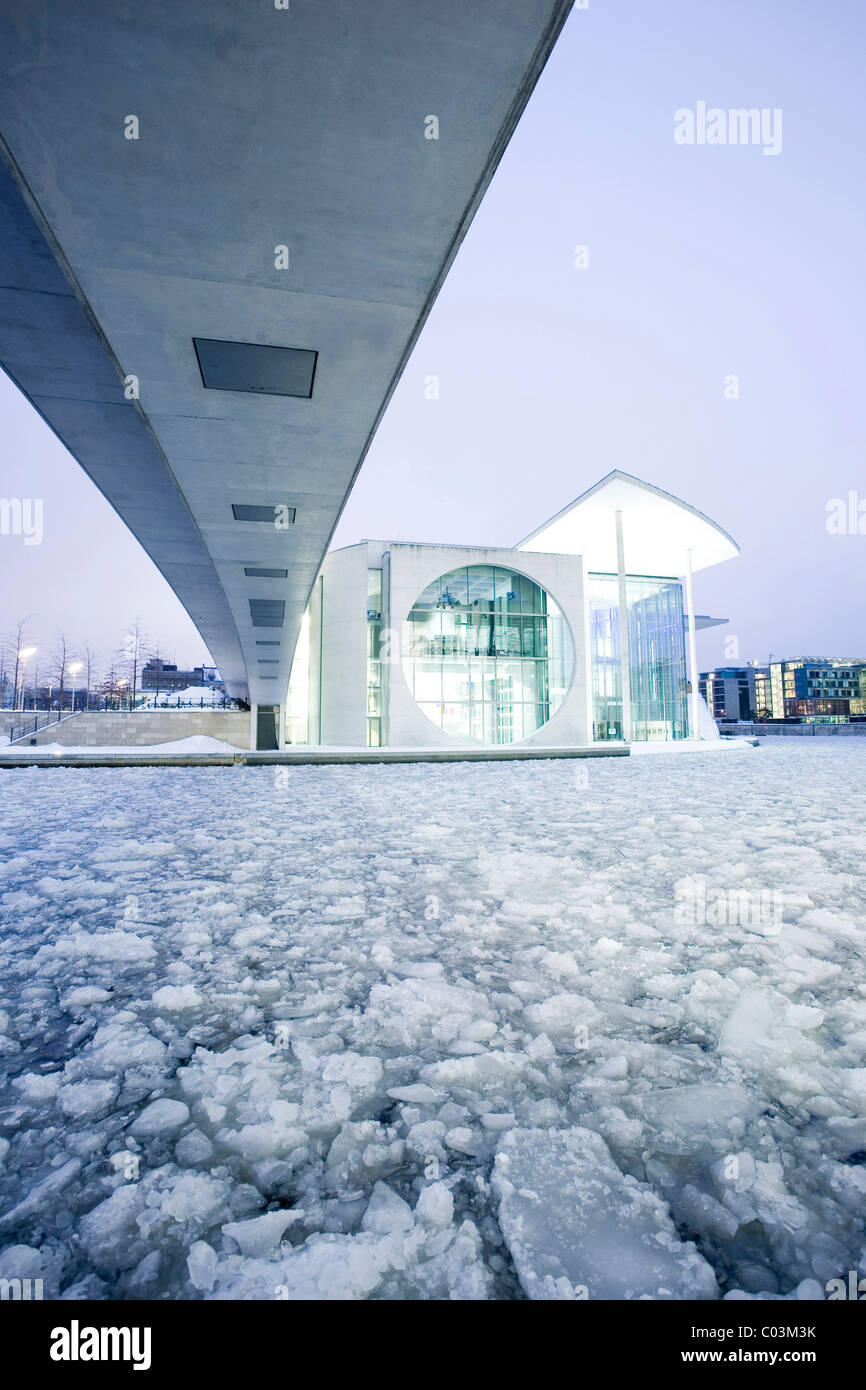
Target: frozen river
554	1029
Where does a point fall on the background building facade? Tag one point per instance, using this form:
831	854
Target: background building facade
158	675
826	689
729	692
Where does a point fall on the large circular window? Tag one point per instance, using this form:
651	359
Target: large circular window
487	654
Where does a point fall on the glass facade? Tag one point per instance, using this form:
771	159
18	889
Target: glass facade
777	694
374	663
763	695
487	654
657	658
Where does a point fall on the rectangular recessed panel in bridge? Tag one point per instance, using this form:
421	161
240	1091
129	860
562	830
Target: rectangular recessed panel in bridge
271	371
241	511
258	572
267	612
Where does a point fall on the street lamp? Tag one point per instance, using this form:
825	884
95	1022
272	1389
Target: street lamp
73	668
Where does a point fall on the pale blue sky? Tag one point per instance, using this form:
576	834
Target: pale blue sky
703	262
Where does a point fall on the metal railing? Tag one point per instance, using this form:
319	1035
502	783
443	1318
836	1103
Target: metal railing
104	704
767	727
158	702
36	722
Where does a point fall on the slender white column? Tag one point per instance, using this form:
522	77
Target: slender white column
623	631
695	719
281	728
254	717
589	679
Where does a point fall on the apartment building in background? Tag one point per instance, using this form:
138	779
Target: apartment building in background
803	688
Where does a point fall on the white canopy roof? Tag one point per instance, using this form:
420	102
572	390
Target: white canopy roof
658	530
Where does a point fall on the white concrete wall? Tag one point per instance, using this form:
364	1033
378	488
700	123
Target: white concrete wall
413	567
344	649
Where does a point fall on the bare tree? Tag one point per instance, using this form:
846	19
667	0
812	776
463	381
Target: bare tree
18	638
111	687
59	657
89	658
134	645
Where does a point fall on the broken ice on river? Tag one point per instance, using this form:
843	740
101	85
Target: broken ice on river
478	1031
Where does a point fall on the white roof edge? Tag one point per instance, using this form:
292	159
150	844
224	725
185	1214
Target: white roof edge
618	475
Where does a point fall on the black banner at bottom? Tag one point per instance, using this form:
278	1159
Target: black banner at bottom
63	1339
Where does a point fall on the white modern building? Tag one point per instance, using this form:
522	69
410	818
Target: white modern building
414	646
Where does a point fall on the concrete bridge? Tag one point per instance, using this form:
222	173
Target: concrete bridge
222	227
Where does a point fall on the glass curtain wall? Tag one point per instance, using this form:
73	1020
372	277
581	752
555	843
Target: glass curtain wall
605	657
374	663
487	654
657	658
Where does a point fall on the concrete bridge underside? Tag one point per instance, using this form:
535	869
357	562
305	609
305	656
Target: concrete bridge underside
157	157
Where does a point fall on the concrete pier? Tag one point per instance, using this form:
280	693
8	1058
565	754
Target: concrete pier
307	757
